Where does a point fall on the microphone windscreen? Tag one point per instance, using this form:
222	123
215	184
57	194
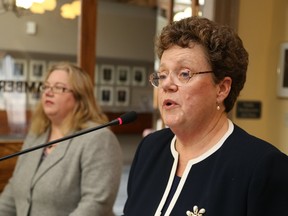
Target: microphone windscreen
127	117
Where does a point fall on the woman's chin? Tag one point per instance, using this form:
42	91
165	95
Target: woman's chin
171	123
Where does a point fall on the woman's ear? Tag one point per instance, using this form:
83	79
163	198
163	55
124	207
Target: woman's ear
224	87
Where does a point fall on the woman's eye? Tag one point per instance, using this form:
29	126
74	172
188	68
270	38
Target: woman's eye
162	76
185	74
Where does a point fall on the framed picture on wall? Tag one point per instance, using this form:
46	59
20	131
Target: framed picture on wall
122	96
282	85
139	76
96	93
19	69
107	74
37	70
123	75
2	74
96	75
105	95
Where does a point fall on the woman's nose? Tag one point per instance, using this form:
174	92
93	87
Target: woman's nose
168	83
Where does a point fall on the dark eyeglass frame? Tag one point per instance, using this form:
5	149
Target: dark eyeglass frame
55	89
154	79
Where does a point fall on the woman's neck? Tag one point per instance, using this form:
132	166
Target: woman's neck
191	147
55	133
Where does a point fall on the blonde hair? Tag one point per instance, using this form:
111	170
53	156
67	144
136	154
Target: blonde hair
86	109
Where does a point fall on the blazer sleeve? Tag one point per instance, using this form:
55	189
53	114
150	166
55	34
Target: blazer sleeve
268	191
7	204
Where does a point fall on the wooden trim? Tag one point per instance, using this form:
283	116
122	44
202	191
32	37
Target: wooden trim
227	12
143	121
7	166
87	36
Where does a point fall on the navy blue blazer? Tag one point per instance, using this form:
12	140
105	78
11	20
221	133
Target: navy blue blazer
246	176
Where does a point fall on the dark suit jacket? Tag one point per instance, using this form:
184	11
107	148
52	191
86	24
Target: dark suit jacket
246	176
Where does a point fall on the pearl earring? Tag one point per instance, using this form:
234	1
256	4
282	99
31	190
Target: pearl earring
218	107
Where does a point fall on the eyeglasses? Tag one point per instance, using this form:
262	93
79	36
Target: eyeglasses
179	78
54	89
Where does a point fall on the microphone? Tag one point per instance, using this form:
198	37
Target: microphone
123	119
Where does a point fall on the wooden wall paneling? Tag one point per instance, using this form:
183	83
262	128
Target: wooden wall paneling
143	121
8	147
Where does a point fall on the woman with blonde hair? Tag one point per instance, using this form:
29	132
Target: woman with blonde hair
79	176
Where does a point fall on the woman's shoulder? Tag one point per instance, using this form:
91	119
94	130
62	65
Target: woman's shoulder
32	139
163	134
96	129
157	140
242	136
243	142
94	132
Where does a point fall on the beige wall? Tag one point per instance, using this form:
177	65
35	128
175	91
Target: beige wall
123	32
263	27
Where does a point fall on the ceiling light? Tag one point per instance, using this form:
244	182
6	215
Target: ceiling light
23	7
71	11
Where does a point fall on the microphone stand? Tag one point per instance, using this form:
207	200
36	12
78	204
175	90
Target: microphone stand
124	119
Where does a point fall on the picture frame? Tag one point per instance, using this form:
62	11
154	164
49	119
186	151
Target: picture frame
122	96
107	74
96	75
139	76
2	75
20	69
37	70
105	95
282	70
96	93
123	75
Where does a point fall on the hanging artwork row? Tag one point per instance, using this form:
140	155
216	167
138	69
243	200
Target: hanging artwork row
114	82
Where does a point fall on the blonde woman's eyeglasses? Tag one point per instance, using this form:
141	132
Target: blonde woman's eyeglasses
55	89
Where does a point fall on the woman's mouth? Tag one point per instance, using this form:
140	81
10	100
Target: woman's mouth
48	102
169	103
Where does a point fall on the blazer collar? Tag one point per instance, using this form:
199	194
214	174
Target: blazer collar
51	160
